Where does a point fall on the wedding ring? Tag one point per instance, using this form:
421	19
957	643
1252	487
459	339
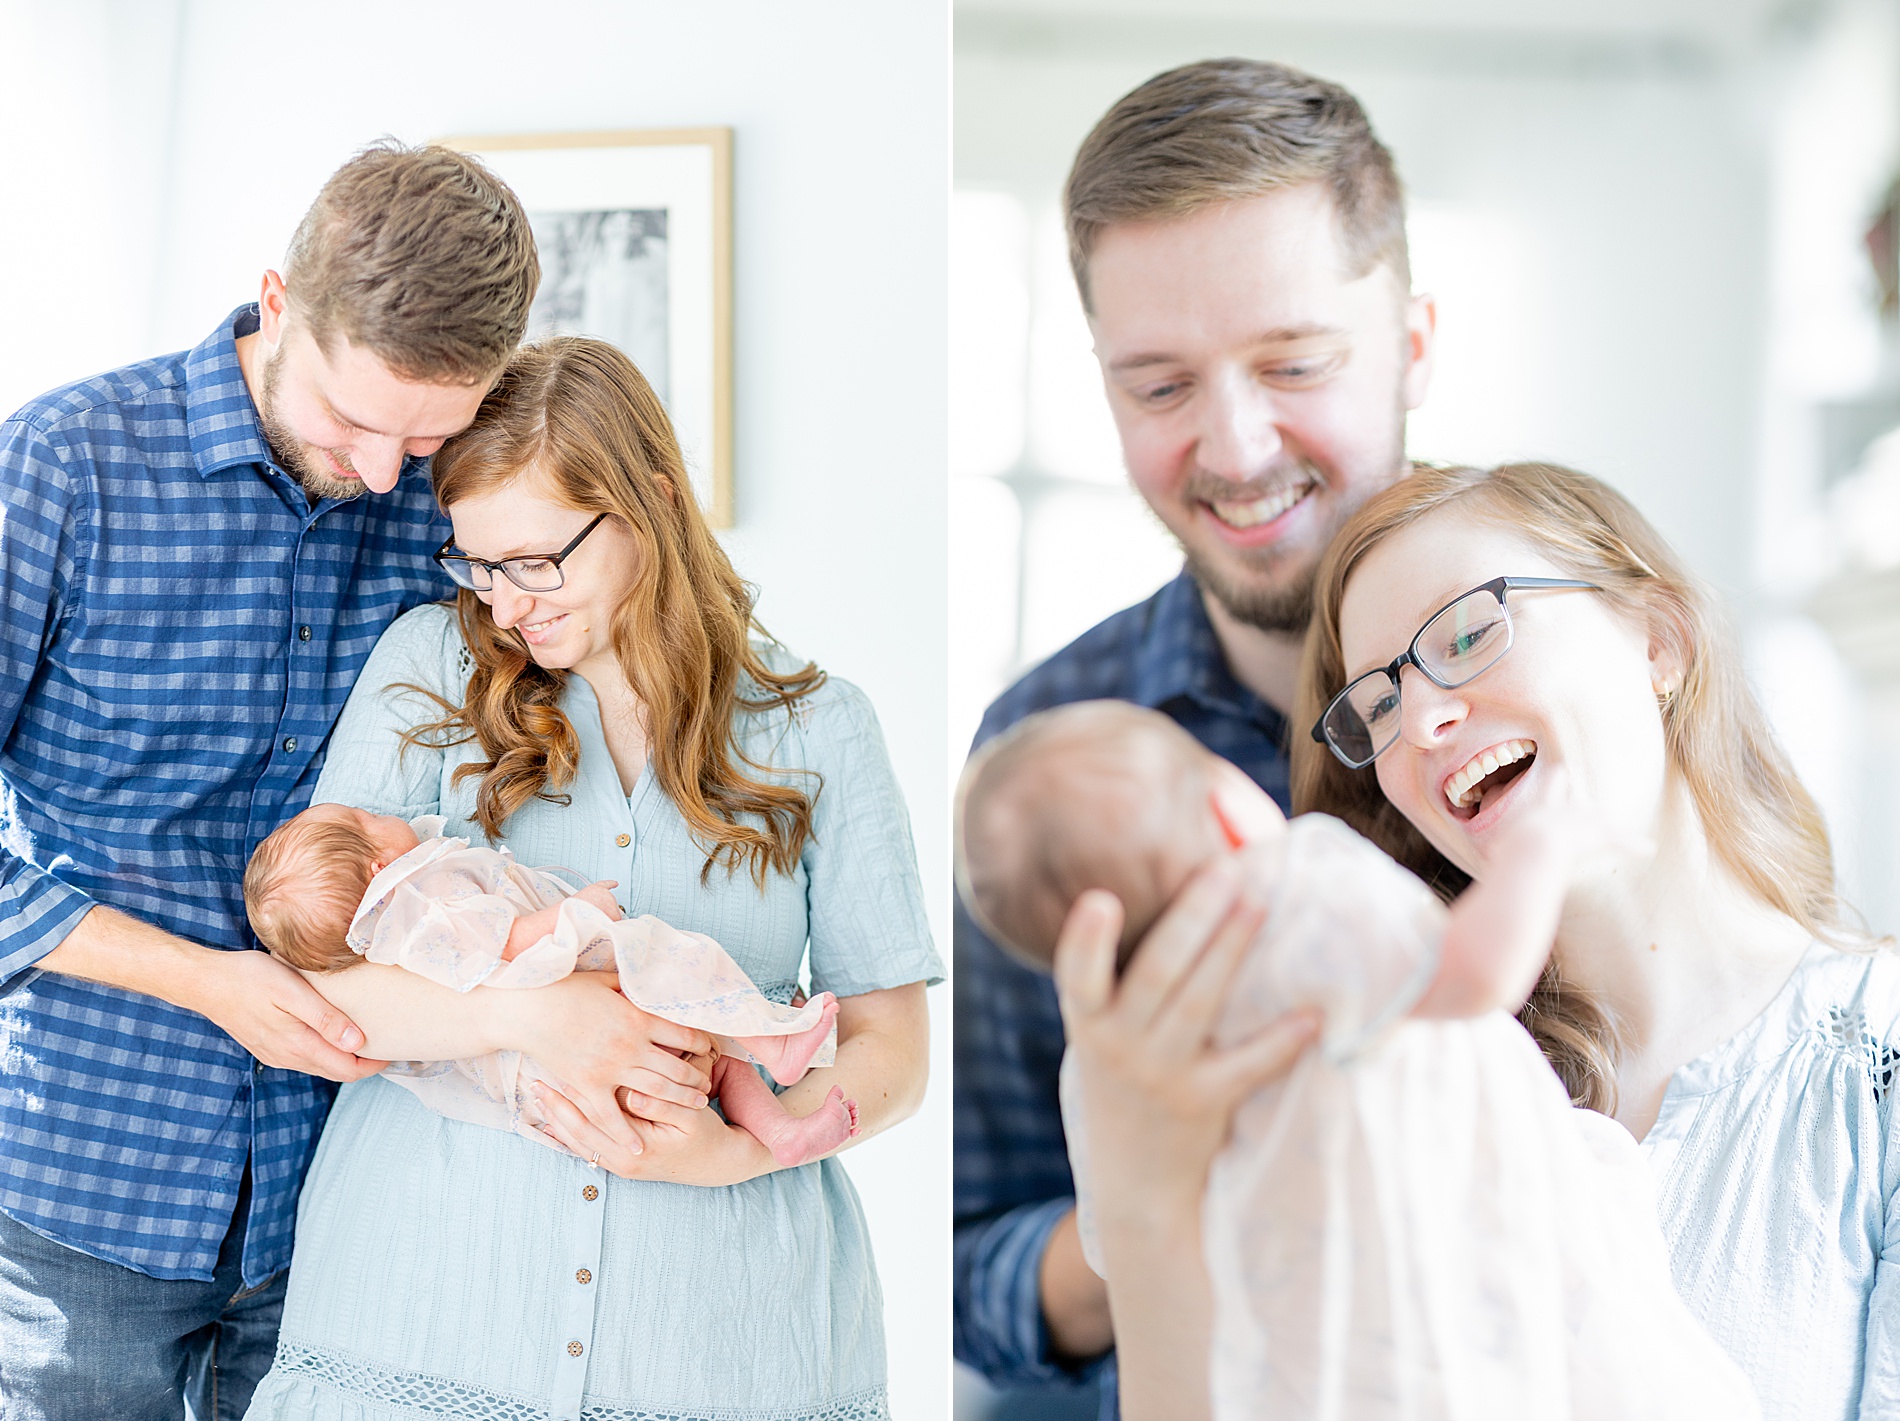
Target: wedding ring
594	1163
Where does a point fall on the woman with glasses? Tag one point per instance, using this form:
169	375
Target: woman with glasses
1479	639
600	697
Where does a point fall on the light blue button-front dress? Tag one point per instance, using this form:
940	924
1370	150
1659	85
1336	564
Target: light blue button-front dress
442	1269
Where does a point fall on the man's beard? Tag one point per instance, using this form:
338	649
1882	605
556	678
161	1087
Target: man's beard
1272	609
1285	608
296	456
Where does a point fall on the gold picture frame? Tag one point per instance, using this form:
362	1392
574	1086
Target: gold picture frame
635	231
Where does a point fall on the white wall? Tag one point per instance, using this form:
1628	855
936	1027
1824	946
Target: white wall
160	152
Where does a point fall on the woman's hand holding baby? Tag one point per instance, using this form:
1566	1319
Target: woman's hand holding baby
693	1147
620	1046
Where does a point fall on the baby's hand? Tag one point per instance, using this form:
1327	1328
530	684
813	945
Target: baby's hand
1560	824
601	896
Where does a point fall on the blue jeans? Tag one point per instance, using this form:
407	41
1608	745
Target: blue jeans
85	1340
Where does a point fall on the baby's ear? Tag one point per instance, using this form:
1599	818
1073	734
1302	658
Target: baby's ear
376	866
1245	812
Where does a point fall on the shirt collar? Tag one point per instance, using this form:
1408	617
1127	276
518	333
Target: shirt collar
220	416
1180	658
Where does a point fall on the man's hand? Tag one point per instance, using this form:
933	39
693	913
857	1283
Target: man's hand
267	1008
280	1019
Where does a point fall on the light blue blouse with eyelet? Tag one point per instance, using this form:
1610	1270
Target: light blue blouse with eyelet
1776	1158
446	1270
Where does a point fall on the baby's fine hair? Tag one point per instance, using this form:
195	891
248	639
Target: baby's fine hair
1099	794
302	888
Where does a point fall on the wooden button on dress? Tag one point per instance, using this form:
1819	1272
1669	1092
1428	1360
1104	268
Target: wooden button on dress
590	1193
623	840
574	1349
583	1276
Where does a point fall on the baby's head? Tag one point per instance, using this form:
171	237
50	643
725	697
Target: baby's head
306	880
1101	794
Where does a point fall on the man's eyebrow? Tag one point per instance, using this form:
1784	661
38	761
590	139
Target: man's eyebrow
342	418
338	414
1277	335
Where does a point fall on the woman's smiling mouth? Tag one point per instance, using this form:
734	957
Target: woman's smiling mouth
1489	770
537	632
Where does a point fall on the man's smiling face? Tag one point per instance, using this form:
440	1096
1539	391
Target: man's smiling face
341	421
1259	386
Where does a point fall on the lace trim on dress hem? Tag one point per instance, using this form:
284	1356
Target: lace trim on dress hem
426	1396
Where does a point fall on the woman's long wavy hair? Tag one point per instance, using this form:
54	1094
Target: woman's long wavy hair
1762	826
577	416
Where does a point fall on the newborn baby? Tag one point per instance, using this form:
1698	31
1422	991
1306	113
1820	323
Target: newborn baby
337	886
1415	1223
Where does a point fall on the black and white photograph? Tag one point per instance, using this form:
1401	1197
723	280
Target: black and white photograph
634	229
603	274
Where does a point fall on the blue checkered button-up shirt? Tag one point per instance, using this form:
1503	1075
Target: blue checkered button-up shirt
1012	1165
178	632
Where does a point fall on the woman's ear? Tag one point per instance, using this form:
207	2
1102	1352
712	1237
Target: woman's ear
1669	645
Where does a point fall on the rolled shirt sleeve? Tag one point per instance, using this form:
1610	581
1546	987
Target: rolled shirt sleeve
999	1325
1012	1178
37	562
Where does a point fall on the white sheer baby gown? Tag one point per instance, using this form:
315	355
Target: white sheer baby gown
444	911
1415	1224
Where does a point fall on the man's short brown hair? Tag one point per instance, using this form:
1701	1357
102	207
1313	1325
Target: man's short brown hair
1225	129
423	256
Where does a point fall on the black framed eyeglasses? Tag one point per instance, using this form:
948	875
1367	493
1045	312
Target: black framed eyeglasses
1458	643
536	572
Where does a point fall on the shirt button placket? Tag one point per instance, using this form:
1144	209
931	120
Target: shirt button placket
577	1292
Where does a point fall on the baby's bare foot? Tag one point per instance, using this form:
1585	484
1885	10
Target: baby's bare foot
787	1058
796	1139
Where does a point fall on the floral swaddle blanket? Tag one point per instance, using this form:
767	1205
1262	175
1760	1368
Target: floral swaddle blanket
1415	1224
444	911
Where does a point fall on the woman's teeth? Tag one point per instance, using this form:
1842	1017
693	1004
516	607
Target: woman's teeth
1260	510
1458	789
536	628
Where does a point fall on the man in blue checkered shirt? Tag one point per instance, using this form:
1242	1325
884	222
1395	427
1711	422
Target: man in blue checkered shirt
197	553
1238	237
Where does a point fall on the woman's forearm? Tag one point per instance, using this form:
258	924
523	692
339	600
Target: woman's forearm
883	1060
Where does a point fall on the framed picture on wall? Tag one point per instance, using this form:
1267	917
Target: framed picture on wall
634	230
